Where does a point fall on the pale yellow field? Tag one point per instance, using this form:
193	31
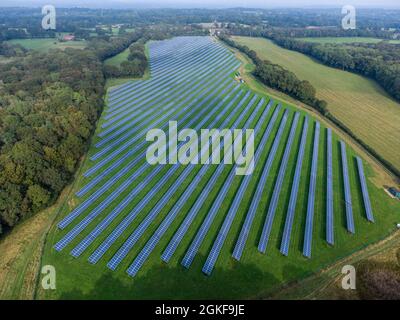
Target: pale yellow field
361	104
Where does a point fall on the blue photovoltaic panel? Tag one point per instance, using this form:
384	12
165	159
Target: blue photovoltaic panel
262	244
94	213
200	235
166	93
149	247
114	262
223	233
83	206
99	252
294	192
159	82
329	190
311	196
135	101
177	238
347	191
265	235
364	189
244	232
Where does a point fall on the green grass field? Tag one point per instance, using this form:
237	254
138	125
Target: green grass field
256	275
44	45
117	59
360	103
347	40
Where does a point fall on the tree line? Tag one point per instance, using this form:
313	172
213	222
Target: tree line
9	50
49	105
277	77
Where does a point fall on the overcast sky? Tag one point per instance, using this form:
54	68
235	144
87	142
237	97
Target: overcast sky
202	3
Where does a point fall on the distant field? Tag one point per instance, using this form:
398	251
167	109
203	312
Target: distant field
44	45
360	103
117	59
347	40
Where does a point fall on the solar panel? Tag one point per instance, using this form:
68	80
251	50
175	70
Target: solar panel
329	190
145	252
311	196
237	252
294	192
187	112
364	189
77	211
155	88
347	192
191	252
277	189
161	204
94	213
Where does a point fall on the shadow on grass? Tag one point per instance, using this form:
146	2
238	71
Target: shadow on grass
164	282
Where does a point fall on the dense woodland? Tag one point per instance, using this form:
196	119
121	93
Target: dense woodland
8	50
49	104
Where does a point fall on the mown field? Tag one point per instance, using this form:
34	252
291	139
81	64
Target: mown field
117	59
360	103
256	274
348	40
45	45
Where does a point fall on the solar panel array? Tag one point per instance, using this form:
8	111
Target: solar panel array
125	198
347	192
311	195
294	192
329	190
277	189
364	188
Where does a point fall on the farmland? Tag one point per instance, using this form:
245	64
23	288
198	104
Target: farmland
353	99
44	45
125	212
